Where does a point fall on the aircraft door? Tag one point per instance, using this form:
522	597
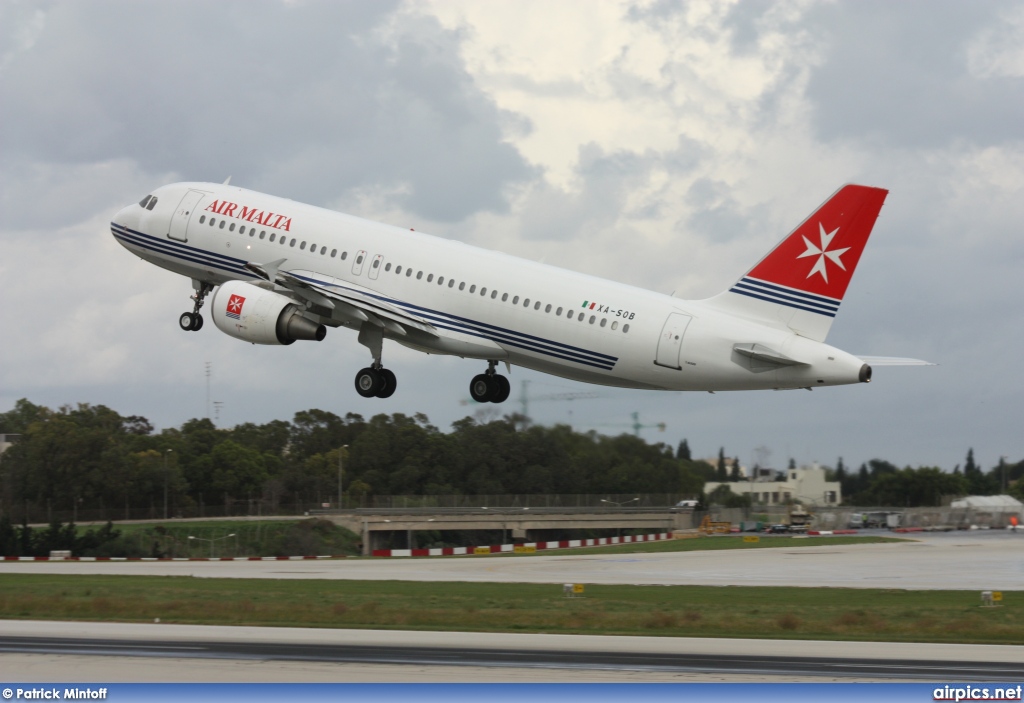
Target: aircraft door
179	221
671	341
357	262
375	265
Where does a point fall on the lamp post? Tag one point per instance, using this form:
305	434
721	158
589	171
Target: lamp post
211	541
166	452
341	451
617	504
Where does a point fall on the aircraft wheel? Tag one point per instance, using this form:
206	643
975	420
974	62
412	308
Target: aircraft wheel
482	388
389	385
369	382
186	321
197	322
504	389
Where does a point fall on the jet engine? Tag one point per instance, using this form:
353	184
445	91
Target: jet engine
260	316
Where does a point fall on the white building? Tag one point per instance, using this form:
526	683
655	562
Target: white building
805	485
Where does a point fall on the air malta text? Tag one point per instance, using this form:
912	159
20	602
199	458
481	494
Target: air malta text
258	217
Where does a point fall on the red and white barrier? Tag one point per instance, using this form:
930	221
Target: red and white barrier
509	548
327	556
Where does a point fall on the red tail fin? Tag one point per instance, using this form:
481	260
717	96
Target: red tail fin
802	280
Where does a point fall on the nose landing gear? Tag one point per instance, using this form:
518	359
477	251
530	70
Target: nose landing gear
490	387
193	321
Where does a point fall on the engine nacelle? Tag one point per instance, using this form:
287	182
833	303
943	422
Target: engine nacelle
260	316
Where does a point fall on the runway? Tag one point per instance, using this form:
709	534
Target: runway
61	651
113	649
958	560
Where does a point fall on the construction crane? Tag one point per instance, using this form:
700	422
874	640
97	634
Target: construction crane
636	425
525	398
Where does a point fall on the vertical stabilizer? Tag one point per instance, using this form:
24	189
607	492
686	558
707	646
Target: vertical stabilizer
802	281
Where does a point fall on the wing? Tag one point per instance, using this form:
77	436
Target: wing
350	301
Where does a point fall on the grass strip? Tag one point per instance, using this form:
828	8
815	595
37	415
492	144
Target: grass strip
691	611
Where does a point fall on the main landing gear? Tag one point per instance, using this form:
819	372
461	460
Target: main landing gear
376	382
193	321
489	387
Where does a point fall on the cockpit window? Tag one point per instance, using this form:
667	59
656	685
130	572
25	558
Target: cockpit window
152	202
145	201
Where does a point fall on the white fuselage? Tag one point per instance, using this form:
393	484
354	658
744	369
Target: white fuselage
484	304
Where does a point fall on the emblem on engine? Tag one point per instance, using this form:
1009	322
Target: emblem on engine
234	309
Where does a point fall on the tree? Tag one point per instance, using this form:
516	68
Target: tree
722	474
683	451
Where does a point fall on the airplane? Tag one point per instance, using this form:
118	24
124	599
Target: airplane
280	271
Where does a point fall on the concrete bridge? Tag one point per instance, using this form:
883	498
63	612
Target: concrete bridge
520	523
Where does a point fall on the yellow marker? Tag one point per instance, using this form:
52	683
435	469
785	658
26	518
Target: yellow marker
997	595
482	550
577	588
524	549
751	538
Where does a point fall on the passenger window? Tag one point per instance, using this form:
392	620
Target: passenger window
558	312
515	300
430	278
483	291
604	321
232	227
408	272
241	230
504	297
494	294
202	219
334	252
398	269
526	303
222	223
625	328
359	259
440	280
581	317
376	263
293	242
419	275
152	203
212	222
312	248
569	314
272	235
323	251
387	267
451	282
547	308
536	306
262	234
462	286
592	318
472	288
615	325
344	255
302	246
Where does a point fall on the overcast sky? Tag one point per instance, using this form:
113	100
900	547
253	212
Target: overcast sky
666	145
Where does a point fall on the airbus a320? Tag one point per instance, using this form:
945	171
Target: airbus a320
278	271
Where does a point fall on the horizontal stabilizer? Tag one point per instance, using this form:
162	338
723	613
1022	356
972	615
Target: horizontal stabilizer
893	361
763	353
